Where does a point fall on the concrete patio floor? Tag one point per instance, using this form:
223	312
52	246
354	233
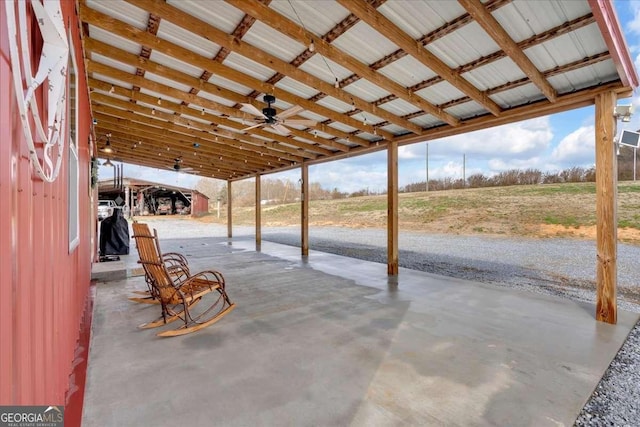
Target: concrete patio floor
332	341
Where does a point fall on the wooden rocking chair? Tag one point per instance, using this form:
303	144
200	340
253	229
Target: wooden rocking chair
177	266
178	296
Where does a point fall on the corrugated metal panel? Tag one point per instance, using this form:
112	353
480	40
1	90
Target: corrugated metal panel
577	79
364	43
568	48
513	97
186	39
468	109
273	42
112	63
219	14
317	66
317	23
162	97
175	64
211	97
366	90
296	88
468	43
440	93
407	71
113	40
249	67
106	79
228	84
123	11
522	19
399	107
335	104
167	82
394	129
418	18
494	74
426	121
342	127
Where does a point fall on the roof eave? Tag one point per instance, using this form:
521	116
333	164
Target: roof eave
609	25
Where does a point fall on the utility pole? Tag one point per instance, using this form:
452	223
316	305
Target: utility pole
427	145
464	171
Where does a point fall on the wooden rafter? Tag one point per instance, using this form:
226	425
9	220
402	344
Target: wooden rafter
387	28
491	26
291	29
202	28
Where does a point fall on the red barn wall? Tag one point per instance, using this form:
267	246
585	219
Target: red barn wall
199	204
43	287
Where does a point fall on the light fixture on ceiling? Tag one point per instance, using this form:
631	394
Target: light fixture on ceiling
153	111
108	163
337	84
113	89
159	101
312	46
107	147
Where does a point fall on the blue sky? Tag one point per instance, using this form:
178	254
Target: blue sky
547	143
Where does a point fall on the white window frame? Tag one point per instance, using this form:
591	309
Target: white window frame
73	181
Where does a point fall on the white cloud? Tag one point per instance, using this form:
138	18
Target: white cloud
634	24
577	148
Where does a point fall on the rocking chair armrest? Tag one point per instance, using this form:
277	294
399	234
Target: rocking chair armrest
206	275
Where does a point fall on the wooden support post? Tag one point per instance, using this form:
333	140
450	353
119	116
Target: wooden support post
229	211
392	208
258	211
304	220
606	199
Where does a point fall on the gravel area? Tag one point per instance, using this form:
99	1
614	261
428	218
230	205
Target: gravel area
561	267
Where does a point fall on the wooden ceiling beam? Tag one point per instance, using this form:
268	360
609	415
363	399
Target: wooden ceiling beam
243	140
121	29
146	157
197	26
493	28
133	79
148	65
171	150
391	31
142	139
291	29
584	62
208	148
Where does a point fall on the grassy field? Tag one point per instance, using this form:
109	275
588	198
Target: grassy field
566	210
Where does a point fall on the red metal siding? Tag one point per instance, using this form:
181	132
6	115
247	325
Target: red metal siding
43	287
199	204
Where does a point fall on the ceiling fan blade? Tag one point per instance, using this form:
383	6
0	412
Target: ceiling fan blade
280	129
250	108
290	112
253	127
301	122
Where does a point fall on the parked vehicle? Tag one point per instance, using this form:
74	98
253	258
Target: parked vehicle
164	206
105	208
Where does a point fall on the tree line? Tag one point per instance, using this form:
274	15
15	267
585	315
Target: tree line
280	191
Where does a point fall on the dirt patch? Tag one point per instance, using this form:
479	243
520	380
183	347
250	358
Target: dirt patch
585	232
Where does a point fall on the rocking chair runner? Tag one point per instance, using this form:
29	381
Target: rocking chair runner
178	296
177	265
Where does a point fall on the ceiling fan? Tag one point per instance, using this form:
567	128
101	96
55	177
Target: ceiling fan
179	168
277	122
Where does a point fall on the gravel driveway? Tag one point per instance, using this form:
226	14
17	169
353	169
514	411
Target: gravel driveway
562	267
